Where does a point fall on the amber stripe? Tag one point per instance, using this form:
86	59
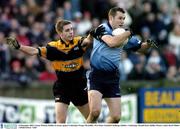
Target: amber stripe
67	66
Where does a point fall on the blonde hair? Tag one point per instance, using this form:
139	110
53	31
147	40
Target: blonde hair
60	24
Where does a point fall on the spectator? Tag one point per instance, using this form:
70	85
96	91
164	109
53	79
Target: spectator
138	71
171	73
170	57
4	53
145	33
155	67
36	34
83	24
23	15
18	73
68	10
48	74
174	40
14	25
125	66
31	71
22	36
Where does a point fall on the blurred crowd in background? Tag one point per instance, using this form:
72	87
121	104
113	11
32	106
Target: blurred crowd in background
32	23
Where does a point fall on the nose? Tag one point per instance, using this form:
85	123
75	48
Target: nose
71	31
122	21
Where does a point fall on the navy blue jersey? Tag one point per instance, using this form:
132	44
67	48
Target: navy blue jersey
104	57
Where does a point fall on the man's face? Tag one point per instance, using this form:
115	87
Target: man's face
118	20
67	33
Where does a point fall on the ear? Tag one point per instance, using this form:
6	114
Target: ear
110	18
60	34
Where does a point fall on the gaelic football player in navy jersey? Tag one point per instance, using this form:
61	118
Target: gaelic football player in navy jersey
104	61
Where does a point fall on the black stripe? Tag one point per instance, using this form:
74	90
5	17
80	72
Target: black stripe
62	41
39	51
80	43
54	54
78	74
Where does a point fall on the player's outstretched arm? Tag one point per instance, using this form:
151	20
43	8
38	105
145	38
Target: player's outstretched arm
152	43
13	43
112	41
146	45
96	33
87	41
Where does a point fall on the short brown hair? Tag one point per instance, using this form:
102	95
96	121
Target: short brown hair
114	10
60	24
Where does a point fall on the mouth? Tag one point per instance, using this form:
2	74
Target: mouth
71	37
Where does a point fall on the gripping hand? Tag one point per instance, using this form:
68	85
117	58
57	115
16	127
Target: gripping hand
98	32
152	43
130	30
13	43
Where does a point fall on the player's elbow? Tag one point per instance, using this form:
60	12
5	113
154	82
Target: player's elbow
113	45
33	54
112	42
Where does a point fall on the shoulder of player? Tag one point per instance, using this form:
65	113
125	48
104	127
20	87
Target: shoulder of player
53	43
56	43
108	28
77	38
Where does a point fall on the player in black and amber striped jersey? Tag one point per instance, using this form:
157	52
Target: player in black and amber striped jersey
65	55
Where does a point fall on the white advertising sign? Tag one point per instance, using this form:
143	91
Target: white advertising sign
17	110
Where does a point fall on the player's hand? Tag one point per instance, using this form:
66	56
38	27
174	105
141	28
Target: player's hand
130	30
13	43
98	32
152	43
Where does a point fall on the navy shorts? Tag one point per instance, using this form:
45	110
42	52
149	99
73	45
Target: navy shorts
71	91
106	83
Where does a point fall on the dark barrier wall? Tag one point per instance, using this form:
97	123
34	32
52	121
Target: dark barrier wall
43	90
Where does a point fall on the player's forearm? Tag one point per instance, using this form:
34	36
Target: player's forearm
87	41
116	41
120	39
144	47
29	50
90	38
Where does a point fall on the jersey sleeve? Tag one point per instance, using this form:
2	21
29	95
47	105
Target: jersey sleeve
133	44
45	51
42	52
80	43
